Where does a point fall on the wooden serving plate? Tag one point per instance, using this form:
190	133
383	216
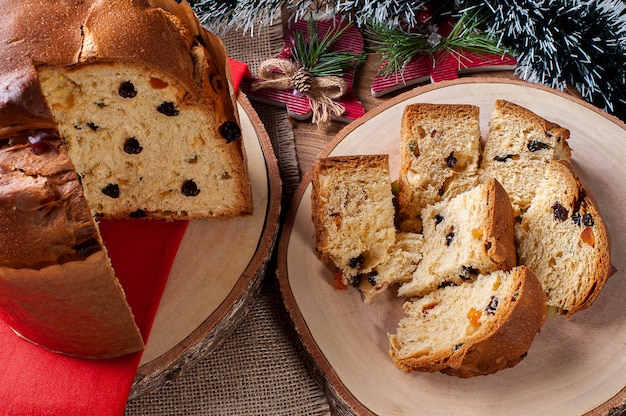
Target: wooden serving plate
217	271
575	366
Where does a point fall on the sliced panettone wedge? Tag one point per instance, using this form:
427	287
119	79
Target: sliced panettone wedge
439	156
519	146
472	329
472	233
563	238
353	213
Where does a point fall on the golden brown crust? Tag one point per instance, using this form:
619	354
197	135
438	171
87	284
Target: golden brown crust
75	312
508	339
500	344
499	226
43	216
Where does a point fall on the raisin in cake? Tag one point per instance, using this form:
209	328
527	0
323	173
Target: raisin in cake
439	156
562	237
469	234
472	329
353	213
519	146
140	95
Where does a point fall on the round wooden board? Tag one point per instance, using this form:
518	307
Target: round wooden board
217	271
575	366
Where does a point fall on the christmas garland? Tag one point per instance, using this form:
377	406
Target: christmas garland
397	47
568	42
557	43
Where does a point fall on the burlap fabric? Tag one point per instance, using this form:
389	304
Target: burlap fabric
257	371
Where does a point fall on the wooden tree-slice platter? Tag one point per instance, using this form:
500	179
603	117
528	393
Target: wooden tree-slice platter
575	366
217	271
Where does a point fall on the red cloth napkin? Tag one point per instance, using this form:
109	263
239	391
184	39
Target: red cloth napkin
36	382
238	71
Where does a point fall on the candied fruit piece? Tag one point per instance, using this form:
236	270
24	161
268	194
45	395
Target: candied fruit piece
559	212
473	315
168	108
536	145
395	187
230	131
127	90
158	83
338	283
111	190
132	146
587	236
427	308
190	188
496	283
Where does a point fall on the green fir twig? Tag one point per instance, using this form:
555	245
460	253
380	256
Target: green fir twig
398	47
316	54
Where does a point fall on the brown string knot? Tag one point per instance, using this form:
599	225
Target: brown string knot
281	74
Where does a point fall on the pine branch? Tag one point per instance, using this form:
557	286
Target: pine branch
317	56
398	47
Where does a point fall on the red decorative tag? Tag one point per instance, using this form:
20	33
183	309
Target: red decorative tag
297	104
443	66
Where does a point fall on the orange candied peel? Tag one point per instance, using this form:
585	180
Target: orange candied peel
474	315
587	236
338	283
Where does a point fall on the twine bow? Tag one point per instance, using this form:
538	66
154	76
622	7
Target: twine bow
282	74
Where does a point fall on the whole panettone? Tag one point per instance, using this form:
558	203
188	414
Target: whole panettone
111	109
